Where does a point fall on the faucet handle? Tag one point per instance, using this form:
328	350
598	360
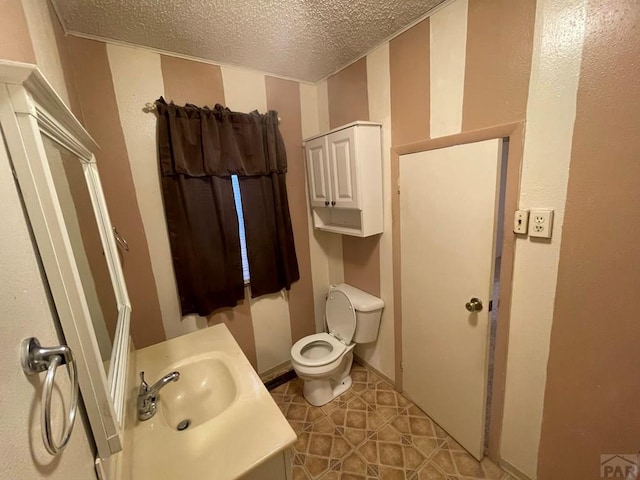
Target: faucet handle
144	386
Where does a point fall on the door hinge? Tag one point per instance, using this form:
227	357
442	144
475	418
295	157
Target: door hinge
490	305
398	188
401	366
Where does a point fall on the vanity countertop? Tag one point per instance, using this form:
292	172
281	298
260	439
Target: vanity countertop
249	432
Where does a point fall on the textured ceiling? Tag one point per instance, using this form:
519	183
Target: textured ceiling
303	39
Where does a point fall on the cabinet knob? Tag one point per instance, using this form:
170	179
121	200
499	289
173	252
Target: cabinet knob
326	203
333	203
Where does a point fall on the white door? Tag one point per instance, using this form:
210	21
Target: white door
317	169
448	209
342	168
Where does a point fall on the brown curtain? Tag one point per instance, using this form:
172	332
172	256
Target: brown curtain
199	149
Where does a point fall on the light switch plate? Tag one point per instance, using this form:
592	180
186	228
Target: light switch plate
541	223
521	222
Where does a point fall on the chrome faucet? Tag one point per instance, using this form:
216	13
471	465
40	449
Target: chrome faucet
148	395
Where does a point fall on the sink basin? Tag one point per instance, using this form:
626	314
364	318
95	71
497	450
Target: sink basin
235	426
206	389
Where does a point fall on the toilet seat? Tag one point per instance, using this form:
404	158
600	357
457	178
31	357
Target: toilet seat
337	349
340	315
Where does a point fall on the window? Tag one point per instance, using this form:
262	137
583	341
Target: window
262	223
243	243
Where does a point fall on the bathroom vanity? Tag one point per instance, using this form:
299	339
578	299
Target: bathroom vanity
231	427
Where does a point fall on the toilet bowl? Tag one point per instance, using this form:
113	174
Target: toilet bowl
323	360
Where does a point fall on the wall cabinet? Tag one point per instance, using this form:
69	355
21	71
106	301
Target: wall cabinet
344	171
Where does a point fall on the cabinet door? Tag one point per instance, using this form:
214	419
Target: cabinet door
342	169
317	169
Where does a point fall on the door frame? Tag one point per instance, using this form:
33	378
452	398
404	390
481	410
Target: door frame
515	133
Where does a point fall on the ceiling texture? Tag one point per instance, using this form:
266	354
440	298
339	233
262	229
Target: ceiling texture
302	39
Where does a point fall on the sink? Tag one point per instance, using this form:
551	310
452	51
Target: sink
234	426
206	389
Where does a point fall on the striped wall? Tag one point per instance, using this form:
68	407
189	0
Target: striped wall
409	65
591	395
15	42
114	83
466	67
284	96
381	353
97	95
473	64
447	41
30	33
550	115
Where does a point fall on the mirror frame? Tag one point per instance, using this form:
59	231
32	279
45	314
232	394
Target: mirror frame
30	108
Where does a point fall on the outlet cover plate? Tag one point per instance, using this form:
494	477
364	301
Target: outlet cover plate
541	223
521	222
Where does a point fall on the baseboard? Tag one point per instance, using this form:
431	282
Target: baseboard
513	471
276	376
279	380
364	363
276	371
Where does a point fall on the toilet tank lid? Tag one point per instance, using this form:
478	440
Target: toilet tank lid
361	300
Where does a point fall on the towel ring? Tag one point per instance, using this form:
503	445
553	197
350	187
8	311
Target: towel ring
35	359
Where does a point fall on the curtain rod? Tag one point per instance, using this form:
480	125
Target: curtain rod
150	107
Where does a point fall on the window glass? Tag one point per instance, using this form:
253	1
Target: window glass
243	242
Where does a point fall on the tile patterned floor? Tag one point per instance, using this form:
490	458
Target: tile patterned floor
372	432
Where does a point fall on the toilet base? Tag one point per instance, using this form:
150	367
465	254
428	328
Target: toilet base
321	392
342	387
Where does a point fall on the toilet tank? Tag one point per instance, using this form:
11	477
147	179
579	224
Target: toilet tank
368	312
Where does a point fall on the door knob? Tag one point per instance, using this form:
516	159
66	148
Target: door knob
474	305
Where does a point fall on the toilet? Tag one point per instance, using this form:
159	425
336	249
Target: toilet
323	360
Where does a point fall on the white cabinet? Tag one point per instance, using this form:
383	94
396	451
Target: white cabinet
317	169
344	170
277	467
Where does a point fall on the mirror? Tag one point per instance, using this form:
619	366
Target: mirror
84	235
52	156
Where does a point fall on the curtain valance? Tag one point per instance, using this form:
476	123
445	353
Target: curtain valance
199	141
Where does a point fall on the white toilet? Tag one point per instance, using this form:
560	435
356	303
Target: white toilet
323	360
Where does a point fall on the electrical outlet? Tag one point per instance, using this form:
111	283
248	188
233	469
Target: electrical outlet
541	223
521	221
